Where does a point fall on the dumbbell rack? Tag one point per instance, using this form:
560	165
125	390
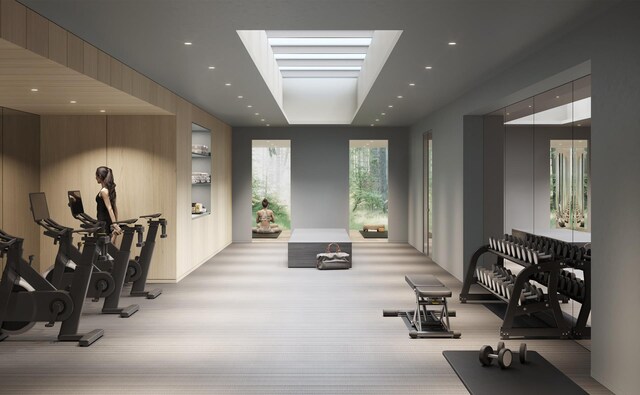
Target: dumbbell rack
572	288
547	264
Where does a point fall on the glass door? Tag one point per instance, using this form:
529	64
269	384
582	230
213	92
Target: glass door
427	193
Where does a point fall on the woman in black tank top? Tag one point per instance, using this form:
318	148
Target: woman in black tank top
107	211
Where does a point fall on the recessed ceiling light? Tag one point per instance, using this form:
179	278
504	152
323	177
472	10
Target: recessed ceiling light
579	124
257	113
529	106
268	125
34	89
452	43
262	120
240	97
227	84
399	97
249	106
383	113
371	125
390	106
103	110
212	67
412	84
377	120
508	114
557	97
72	101
428	67
188	43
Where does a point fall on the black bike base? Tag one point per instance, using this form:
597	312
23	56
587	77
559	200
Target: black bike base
125	312
148	294
83	339
537	376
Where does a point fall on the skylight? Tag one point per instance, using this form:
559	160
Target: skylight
319	76
321	68
321	56
319	41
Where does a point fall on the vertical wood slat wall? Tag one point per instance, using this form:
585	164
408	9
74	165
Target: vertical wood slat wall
20	174
71	147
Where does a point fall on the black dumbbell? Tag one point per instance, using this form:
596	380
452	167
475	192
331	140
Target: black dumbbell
533	294
504	356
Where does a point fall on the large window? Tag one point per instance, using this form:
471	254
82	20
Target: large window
368	183
271	179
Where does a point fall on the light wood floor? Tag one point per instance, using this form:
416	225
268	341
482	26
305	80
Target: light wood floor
246	324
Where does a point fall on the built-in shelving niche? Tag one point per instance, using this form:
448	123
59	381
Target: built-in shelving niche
201	170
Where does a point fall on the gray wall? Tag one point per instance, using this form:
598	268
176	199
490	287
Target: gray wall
606	48
320	176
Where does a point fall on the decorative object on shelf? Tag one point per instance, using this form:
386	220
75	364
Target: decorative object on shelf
200	149
201	171
198	208
200	178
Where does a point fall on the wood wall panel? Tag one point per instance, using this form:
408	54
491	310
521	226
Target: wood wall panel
57	44
90	60
20	176
116	73
37	33
72	147
127	79
184	253
141	152
104	67
210	234
75	52
13	22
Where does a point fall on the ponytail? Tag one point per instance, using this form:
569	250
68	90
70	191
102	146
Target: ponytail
105	174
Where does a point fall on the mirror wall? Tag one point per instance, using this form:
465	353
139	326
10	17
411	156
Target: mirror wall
537	168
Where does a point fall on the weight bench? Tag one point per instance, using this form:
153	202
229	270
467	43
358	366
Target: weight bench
424	322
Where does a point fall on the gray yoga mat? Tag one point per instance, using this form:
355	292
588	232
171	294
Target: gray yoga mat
538	376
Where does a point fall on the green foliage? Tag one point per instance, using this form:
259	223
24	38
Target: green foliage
368	187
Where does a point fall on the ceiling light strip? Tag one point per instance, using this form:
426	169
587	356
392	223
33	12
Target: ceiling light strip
320	56
320	68
320	42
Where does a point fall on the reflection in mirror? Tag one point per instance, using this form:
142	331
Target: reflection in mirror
569	184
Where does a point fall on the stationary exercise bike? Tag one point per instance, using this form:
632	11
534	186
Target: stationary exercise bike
138	268
26	297
110	270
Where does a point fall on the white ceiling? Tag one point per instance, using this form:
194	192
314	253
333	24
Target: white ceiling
149	36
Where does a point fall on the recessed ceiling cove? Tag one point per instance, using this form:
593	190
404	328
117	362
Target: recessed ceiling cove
319	76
